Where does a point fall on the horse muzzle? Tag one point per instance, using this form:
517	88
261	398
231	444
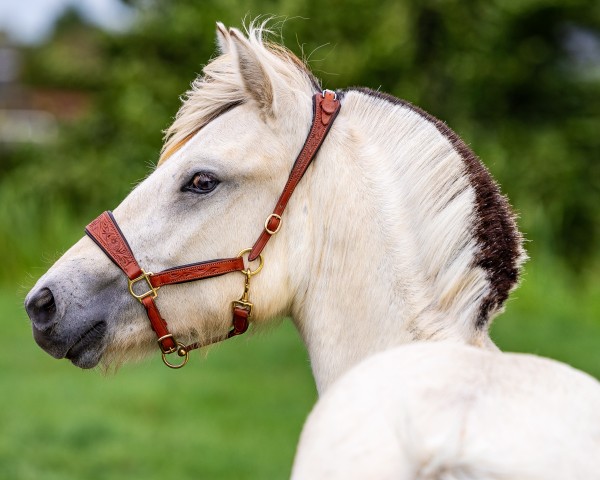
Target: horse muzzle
80	340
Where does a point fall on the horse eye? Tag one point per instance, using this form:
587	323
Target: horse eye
202	182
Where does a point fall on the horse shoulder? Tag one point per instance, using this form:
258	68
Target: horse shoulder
441	411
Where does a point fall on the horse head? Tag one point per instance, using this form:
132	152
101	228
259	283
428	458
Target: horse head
225	161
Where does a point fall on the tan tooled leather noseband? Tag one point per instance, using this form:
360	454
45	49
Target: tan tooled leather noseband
105	232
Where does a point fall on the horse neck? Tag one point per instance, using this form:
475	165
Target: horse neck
387	254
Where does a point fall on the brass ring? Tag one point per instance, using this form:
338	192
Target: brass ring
182	352
261	262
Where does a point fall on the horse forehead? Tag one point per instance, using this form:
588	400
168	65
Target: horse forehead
236	130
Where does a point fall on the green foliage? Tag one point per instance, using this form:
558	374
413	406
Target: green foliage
233	414
501	73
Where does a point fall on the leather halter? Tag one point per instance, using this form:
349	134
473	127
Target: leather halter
105	232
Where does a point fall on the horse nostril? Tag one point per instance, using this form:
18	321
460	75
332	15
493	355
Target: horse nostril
41	309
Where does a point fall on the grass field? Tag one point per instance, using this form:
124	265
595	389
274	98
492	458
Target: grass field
235	414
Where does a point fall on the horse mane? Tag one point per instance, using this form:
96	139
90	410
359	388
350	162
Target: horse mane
500	252
220	88
490	230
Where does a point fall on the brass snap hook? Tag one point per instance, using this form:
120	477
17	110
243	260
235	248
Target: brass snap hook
244	301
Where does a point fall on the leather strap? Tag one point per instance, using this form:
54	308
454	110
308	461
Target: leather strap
197	271
159	325
241	322
325	108
105	232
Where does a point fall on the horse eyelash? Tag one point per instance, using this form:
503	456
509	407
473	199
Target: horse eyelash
191	187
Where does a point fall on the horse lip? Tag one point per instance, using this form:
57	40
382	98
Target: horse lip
49	343
87	350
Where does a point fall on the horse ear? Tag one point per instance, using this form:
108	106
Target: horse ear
222	38
252	71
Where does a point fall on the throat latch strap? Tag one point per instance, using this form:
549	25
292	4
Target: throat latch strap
325	108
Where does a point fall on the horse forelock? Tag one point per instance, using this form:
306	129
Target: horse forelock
219	88
498	243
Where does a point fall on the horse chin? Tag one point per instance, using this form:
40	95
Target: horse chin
131	345
84	348
88	350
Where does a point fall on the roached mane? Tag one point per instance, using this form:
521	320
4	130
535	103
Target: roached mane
220	88
499	251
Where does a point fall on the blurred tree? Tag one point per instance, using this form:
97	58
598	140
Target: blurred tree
518	79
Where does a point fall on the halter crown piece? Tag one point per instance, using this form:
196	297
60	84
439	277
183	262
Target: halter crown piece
144	286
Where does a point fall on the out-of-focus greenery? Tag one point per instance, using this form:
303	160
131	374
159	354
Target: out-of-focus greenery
519	80
235	414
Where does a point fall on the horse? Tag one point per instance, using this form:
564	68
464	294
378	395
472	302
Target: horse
395	252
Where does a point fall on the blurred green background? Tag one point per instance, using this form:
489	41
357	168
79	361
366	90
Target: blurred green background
81	115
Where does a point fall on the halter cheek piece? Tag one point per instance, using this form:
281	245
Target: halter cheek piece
143	286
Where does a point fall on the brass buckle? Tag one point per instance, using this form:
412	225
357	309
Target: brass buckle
272	232
181	351
152	292
170	350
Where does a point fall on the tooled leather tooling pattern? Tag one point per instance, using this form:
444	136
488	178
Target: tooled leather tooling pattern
196	271
107	235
